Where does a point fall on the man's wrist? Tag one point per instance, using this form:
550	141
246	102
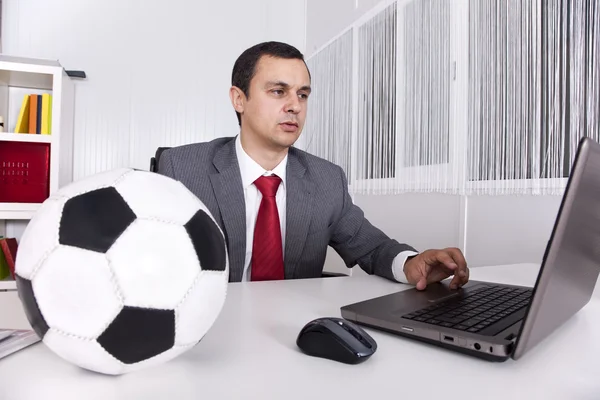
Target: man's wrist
399	265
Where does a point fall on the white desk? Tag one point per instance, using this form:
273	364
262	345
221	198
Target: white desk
253	342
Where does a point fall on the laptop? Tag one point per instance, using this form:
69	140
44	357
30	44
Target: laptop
497	321
4	334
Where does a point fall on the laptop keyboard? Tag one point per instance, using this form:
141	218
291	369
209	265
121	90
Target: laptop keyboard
477	310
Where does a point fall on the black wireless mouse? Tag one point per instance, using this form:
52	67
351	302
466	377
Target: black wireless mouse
336	339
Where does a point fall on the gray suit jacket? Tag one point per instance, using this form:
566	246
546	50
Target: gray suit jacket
319	210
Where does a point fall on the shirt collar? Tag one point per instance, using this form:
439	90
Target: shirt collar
251	170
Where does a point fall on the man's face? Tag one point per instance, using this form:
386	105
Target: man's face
275	110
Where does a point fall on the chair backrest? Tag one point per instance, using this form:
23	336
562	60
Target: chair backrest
154	160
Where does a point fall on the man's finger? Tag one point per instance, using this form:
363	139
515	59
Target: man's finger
445	258
456	282
458	257
462	272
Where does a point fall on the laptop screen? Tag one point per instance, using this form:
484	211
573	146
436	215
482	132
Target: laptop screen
571	264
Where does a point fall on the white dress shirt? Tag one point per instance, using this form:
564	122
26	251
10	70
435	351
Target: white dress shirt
251	171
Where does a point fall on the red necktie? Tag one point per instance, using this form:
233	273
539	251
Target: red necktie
267	253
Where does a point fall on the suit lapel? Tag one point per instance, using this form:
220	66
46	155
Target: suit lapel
227	186
298	211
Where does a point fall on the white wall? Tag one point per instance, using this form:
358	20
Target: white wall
490	230
325	19
509	229
158	72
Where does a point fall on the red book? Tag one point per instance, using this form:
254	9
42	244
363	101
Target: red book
9	248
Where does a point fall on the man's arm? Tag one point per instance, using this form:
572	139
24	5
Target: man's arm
357	241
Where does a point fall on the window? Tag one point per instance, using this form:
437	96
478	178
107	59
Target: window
455	97
426	78
533	88
376	125
328	131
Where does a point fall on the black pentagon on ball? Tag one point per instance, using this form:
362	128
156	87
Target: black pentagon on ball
30	305
95	220
208	242
137	334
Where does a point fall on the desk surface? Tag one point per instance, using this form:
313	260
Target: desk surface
253	343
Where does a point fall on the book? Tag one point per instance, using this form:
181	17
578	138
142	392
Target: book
4	270
33	113
13	340
9	249
46	114
23	120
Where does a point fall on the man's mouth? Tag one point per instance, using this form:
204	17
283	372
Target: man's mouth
289	126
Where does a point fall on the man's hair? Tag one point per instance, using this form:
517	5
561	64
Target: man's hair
244	68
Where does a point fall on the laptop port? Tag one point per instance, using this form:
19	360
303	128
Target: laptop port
477	346
510	337
448	338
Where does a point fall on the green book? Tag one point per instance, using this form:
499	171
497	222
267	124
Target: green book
4	270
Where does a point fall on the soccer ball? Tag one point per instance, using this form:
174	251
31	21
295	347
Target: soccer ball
122	270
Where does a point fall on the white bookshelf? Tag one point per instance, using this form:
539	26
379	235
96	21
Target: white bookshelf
7	285
21	76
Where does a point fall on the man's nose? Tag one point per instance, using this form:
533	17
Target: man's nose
293	105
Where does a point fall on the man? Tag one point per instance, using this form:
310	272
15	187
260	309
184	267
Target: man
280	207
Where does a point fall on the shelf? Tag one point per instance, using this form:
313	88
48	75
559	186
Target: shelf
18	210
8	285
28	73
25	137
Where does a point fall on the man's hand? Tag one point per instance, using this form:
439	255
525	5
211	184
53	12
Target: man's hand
436	265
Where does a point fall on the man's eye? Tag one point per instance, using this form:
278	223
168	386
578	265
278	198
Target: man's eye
303	96
278	91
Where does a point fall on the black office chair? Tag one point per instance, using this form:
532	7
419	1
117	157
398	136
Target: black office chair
154	160
154	168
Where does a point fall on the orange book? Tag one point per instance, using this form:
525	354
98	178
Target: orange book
33	110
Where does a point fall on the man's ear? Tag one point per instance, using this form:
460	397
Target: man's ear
238	99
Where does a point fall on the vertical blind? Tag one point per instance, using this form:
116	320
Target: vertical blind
328	129
531	93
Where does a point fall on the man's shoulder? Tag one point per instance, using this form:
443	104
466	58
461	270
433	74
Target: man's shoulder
314	162
198	151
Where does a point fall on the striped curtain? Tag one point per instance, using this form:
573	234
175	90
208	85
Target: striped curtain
495	105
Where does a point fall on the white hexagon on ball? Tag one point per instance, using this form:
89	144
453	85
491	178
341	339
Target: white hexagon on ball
76	292
154	263
40	238
199	310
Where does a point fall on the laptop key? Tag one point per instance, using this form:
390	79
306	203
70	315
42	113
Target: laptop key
504	323
452	320
461	327
470	322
